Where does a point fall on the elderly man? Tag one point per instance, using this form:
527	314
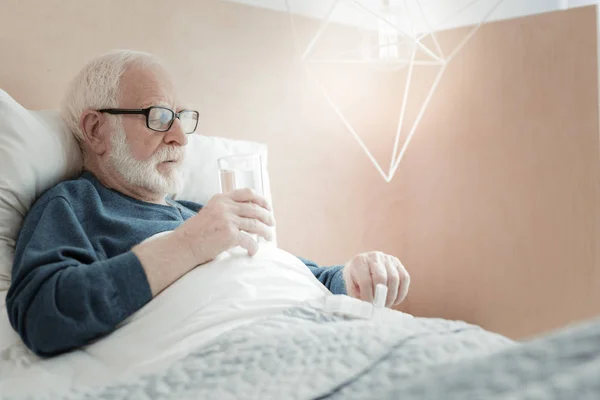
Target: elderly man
82	264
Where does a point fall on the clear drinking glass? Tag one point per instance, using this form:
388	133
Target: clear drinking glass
242	171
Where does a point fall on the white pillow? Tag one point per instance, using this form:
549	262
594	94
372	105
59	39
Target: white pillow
37	151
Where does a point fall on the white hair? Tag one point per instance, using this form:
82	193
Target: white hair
98	85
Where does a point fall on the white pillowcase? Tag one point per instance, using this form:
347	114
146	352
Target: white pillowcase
37	151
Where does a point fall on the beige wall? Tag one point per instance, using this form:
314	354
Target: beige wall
502	202
493	209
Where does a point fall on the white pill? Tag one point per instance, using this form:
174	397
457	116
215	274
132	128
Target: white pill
380	295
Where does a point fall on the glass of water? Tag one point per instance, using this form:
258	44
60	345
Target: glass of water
242	171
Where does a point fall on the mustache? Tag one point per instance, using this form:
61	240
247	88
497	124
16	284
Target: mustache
169	153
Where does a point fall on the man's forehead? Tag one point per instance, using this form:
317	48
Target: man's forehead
142	87
164	101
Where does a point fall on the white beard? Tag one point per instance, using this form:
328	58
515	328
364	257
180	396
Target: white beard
145	173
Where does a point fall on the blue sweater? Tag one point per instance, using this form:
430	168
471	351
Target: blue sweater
75	277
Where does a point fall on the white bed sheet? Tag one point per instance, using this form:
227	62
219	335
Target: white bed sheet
228	292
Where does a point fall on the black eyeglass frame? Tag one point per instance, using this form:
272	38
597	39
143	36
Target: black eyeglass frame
146	112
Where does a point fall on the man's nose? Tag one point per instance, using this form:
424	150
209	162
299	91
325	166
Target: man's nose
175	134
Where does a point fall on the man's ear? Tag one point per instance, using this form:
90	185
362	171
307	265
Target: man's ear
94	124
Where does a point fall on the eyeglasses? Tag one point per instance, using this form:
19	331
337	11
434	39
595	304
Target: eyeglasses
160	119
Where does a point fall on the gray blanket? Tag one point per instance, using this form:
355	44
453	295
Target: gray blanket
305	353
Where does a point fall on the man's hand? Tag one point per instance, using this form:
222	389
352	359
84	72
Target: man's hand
225	222
216	228
367	270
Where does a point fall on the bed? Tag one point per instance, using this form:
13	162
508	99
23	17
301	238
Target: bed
263	346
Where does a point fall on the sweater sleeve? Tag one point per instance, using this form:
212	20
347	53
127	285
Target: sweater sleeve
62	296
331	277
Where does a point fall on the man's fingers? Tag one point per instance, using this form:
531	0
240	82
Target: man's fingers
251	225
367	270
247	242
393	281
249	196
378	269
352	287
404	283
252	210
362	275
